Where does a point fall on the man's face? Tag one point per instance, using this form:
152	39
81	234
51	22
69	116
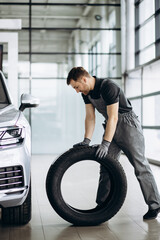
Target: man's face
80	85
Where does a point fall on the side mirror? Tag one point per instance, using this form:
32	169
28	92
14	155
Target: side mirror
28	101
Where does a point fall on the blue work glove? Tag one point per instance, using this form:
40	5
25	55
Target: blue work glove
85	142
102	150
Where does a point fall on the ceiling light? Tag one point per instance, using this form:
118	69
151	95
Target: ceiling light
98	17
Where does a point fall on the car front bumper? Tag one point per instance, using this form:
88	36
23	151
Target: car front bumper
14	175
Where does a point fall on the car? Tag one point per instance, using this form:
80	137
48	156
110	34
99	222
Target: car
15	157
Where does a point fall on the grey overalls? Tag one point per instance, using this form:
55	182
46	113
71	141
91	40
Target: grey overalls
129	138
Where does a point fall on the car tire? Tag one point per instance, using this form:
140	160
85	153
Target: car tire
98	214
18	215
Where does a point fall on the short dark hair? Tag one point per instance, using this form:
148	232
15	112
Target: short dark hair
75	73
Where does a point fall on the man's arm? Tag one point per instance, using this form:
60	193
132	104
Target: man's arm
112	112
89	125
89	121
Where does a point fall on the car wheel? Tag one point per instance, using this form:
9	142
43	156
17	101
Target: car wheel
19	215
95	215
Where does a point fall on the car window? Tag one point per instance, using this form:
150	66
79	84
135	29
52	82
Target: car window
4	99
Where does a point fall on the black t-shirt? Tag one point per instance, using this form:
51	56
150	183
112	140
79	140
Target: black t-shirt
110	92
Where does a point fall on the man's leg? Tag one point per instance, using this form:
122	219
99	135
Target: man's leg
129	137
104	179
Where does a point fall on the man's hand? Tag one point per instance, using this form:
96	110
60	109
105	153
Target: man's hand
102	150
85	142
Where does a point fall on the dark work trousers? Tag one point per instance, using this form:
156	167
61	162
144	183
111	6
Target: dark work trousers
129	138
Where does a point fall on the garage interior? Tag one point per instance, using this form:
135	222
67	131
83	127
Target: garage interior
40	41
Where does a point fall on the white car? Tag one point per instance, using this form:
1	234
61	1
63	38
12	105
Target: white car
15	158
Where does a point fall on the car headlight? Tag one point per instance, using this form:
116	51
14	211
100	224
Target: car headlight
11	136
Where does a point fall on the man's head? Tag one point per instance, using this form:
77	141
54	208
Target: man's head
80	80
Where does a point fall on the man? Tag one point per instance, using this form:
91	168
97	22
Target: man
122	132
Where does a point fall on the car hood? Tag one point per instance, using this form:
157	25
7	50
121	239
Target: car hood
9	116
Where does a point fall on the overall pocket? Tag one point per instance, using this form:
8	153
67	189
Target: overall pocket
132	120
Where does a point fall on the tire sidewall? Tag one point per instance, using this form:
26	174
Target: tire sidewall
53	187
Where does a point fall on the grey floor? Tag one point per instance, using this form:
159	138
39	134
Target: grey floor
127	224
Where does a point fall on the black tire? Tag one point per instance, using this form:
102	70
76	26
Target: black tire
19	215
98	214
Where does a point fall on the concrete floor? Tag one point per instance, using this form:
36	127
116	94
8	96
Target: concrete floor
127	224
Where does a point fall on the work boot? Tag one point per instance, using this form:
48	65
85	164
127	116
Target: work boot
151	214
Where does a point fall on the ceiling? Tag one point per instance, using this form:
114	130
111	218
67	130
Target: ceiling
47	28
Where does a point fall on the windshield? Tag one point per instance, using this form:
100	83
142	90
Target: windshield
4	98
